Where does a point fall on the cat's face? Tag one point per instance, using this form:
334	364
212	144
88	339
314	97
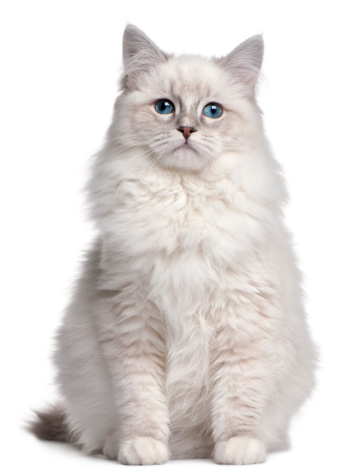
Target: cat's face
182	111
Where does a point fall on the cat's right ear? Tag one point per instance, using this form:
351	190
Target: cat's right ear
140	54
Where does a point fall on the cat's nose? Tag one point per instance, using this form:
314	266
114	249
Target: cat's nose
186	131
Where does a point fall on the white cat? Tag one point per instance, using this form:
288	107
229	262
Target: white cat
186	335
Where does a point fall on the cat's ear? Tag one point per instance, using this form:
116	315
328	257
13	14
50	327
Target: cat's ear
140	54
245	61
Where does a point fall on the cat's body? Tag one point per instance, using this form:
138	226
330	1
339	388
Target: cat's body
187	329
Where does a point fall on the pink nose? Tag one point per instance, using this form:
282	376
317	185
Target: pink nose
187	131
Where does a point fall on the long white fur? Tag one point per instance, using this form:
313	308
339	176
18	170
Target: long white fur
186	336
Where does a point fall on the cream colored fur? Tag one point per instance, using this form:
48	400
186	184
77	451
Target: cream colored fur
186	336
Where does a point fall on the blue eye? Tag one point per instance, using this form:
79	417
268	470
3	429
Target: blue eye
213	110
164	106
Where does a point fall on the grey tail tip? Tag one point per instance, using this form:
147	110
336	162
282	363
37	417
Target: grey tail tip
50	424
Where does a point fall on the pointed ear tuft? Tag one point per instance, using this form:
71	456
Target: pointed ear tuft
245	61
140	54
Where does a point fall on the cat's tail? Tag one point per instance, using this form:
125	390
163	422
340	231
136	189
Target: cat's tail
51	424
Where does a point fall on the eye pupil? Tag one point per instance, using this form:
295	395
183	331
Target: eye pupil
213	110
164	106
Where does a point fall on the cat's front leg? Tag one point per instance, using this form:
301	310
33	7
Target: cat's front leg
240	383
131	336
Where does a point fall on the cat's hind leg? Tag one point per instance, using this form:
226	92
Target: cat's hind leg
83	377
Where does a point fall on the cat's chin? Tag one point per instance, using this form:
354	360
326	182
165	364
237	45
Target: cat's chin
184	158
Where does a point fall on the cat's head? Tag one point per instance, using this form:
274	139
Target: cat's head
183	112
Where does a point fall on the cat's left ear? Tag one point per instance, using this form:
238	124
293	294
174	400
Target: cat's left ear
245	61
140	55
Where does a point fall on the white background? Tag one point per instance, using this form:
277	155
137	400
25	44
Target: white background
59	70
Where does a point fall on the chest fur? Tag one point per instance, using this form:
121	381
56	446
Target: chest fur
185	216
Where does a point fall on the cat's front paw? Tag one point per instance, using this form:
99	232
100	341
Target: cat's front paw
240	451
143	451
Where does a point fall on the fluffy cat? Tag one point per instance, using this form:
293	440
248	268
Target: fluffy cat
186	336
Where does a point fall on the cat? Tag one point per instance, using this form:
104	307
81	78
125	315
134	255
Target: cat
186	336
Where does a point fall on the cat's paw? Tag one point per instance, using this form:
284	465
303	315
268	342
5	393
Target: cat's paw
240	451
111	446
143	451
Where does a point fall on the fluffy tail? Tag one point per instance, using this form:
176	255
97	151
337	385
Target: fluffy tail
51	424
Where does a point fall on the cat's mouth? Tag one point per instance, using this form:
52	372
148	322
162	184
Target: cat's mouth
185	146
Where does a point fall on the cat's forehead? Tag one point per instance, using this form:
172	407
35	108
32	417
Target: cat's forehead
191	76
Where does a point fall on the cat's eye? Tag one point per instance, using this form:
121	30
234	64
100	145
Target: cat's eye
164	106
213	110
